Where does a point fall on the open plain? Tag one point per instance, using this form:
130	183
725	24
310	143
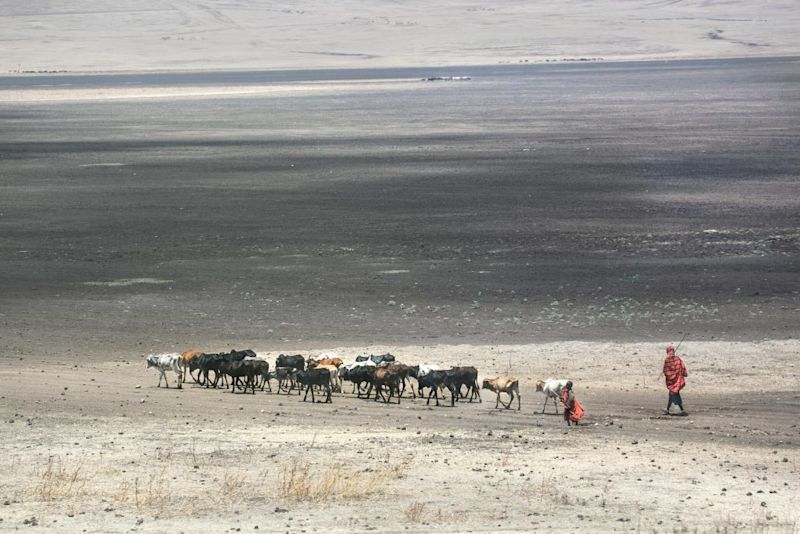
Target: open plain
543	220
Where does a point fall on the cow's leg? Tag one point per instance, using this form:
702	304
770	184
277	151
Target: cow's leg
498	400
328	400
519	401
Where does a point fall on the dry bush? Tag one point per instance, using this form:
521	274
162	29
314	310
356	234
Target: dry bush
233	487
304	481
415	511
57	480
549	492
155	495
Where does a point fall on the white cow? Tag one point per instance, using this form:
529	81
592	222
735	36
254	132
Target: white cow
552	390
165	362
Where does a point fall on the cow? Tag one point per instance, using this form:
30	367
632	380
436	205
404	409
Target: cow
504	384
163	363
336	362
465	376
294	361
377	359
315	377
186	359
358	373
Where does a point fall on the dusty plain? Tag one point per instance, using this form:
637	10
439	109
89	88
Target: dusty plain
165	35
555	220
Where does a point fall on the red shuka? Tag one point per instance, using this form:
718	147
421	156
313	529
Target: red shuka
674	371
576	413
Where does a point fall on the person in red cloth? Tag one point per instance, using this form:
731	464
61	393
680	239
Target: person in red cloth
675	373
573	411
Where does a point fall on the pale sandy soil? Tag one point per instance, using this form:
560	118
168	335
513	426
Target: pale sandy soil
105	35
96	447
51	94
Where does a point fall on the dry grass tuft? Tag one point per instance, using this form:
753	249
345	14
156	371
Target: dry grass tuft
418	512
57	480
415	511
549	492
155	495
304	481
233	487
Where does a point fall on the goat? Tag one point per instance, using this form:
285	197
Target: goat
315	377
552	390
504	384
164	362
283	375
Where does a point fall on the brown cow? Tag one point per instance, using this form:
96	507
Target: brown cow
336	362
187	357
504	384
391	377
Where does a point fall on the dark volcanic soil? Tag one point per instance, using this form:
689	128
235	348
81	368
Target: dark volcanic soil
629	201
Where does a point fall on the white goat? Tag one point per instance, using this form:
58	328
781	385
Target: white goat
165	362
552	390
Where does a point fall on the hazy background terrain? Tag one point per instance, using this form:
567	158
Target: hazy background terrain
105	35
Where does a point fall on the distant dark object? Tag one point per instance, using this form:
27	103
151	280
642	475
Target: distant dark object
446	79
377	359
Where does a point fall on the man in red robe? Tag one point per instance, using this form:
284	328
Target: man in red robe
675	374
573	411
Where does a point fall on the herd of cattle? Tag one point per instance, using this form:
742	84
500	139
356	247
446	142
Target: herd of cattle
389	379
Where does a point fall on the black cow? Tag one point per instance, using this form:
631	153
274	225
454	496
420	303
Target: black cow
237	370
465	376
315	377
214	362
434	380
358	376
377	359
295	361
